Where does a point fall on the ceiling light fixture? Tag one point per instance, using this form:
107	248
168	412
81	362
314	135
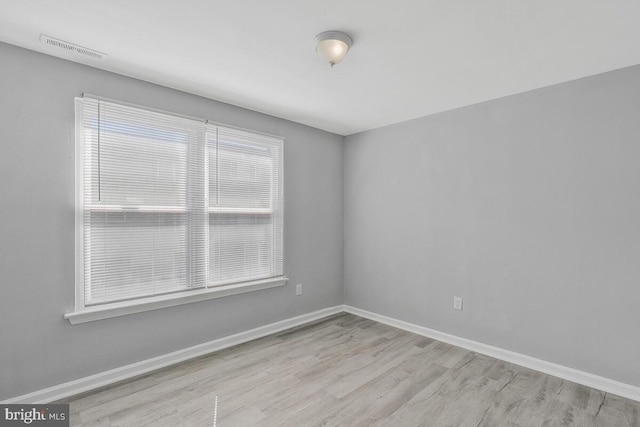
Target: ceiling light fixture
332	46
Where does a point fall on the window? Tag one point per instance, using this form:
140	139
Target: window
245	206
168	205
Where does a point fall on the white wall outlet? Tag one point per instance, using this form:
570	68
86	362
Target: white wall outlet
457	303
299	289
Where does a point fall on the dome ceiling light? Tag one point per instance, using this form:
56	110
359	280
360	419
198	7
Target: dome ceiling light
332	46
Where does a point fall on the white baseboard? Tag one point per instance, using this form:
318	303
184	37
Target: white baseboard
564	372
61	391
92	382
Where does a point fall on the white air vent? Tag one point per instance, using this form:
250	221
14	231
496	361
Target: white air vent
71	48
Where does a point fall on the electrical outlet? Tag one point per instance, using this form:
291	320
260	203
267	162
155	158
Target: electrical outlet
457	303
299	289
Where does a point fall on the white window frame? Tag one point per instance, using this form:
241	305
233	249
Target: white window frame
82	313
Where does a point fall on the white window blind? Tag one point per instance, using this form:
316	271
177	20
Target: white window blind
171	204
245	206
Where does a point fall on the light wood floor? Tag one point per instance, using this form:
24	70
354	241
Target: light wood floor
350	371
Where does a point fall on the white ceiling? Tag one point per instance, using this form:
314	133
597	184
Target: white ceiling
410	58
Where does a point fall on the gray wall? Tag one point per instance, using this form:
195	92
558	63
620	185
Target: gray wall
527	206
37	347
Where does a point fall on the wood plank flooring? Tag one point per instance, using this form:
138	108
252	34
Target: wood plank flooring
350	371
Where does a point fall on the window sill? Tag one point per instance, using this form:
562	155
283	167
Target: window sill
105	311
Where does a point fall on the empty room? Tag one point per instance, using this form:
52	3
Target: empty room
340	213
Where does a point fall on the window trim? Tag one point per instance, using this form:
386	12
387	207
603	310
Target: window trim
139	305
82	313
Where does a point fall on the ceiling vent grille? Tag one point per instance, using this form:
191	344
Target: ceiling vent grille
71	48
